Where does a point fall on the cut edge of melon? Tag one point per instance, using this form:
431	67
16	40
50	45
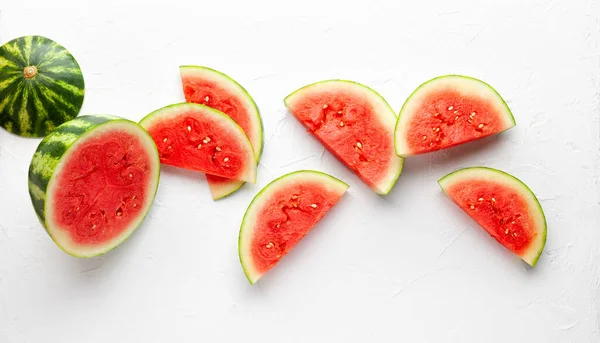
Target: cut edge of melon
532	254
465	84
232	85
381	106
175	110
247	230
63	239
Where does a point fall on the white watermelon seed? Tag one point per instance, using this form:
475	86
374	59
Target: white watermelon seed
506	232
226	159
512	222
339	112
206	140
455	112
130	175
313	205
341	123
325	106
493	200
472	207
450	108
218	149
206	99
165	140
480	199
269	246
473	114
480	126
456	118
189	128
424	137
359	145
170	147
199	146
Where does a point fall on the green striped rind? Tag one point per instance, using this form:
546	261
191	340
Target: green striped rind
48	155
35	107
532	255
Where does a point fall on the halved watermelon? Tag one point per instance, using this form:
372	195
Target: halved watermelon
200	138
203	85
41	86
447	111
503	205
355	124
281	214
92	181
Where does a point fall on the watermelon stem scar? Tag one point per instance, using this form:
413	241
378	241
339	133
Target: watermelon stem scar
30	71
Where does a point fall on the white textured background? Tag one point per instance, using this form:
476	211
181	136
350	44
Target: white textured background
409	267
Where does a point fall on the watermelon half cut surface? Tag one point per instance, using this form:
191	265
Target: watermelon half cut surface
447	111
281	214
200	138
503	205
203	85
92	181
355	124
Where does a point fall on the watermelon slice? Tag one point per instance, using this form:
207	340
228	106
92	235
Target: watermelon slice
203	85
447	111
41	86
355	124
200	138
503	205
92	181
281	214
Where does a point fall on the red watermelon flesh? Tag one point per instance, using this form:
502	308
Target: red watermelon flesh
281	215
448	111
355	124
200	138
501	204
103	187
212	88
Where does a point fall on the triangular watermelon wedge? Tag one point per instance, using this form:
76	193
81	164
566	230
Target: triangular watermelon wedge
281	214
207	86
503	205
200	138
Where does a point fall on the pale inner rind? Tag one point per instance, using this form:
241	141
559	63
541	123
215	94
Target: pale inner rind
63	237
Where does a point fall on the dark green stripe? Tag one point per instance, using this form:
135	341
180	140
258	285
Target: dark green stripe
53	148
17	60
41	49
8	92
38	206
38	180
93	119
76	130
